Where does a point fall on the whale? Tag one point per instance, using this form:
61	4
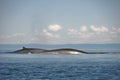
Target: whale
29	50
53	51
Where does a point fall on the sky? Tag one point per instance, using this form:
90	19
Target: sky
59	21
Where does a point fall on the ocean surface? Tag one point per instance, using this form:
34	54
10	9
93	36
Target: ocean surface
98	65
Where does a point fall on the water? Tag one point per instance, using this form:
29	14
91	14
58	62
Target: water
96	66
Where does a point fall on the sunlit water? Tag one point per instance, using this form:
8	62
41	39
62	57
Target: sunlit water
59	66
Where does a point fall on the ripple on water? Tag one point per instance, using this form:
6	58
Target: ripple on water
60	67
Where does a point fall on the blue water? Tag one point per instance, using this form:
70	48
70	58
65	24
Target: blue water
96	66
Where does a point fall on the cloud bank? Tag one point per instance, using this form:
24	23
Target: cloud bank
56	34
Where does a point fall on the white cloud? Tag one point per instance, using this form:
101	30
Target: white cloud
44	30
46	33
99	29
54	27
83	28
118	30
73	31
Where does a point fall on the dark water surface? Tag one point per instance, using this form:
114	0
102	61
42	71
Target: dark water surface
59	67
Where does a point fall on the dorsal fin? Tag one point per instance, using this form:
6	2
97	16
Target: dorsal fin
24	47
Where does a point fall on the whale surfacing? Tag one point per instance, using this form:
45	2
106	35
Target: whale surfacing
54	51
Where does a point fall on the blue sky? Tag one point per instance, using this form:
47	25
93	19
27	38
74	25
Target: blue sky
59	21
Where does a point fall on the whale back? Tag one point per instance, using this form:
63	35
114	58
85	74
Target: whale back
62	51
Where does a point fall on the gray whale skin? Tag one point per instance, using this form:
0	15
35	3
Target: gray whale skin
56	51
